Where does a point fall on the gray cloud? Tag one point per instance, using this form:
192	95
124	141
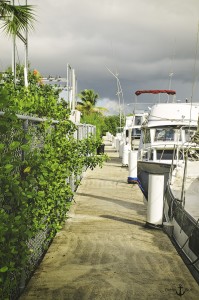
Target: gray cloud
142	40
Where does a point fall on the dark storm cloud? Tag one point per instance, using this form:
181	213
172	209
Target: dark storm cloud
142	40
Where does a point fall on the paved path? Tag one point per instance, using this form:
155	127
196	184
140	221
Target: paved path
104	251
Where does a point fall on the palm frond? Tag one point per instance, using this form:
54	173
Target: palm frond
16	18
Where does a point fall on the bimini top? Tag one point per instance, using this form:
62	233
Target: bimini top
169	92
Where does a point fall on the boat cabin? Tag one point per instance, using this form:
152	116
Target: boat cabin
167	125
132	130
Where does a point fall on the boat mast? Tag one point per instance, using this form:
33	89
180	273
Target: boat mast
171	69
194	69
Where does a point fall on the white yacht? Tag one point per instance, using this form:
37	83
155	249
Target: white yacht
169	146
167	126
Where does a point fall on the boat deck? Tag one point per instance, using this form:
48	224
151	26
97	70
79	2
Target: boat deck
105	252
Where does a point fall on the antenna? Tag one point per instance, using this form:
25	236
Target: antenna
195	61
171	73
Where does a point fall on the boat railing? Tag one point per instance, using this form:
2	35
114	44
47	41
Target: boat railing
150	149
182	198
164	151
188	152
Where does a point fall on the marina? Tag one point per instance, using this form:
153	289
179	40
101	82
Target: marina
169	124
98	200
105	251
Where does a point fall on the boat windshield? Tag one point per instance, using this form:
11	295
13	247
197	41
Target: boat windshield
138	120
164	134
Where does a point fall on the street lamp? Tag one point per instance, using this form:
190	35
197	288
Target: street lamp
119	94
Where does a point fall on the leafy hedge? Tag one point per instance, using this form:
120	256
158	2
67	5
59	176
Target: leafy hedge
34	193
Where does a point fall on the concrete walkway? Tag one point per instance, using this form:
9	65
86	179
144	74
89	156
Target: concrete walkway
104	250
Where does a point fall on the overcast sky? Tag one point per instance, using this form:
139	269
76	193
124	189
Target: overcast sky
141	40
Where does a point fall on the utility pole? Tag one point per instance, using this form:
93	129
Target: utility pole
71	87
67	82
14	53
26	56
25	41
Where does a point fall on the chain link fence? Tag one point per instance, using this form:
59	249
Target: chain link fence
40	243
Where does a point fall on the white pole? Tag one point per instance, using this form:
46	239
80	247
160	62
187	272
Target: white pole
14	58
26	57
68	84
155	200
133	155
117	144
121	146
125	155
73	89
14	54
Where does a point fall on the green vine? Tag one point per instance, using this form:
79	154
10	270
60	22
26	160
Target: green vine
34	192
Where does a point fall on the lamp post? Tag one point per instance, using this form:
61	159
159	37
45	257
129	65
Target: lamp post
71	87
14	53
25	41
119	94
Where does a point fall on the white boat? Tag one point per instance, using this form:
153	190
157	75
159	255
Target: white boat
181	207
130	143
132	129
168	125
169	150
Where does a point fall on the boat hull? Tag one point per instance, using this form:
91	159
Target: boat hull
185	231
145	168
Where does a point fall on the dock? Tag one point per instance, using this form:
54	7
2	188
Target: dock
105	251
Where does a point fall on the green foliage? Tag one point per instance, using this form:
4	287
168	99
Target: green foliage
95	119
103	123
111	123
88	103
34	193
16	18
88	96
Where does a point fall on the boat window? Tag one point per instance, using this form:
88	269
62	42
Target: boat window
189	132
165	154
164	134
137	120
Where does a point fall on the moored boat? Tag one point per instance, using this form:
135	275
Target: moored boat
132	129
181	207
130	135
168	125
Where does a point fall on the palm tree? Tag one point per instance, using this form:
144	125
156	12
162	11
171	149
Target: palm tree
16	19
88	101
89	95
